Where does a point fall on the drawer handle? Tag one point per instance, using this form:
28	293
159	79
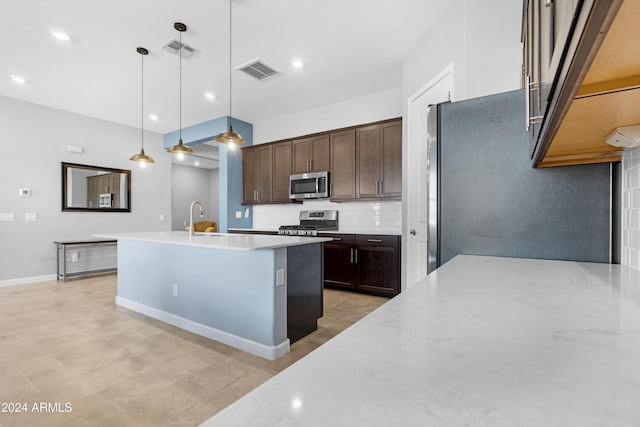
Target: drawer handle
337	238
374	240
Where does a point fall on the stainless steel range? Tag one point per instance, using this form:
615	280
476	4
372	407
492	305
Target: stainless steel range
310	223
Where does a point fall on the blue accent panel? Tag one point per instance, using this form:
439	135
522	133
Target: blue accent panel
215	287
197	134
230	181
234	176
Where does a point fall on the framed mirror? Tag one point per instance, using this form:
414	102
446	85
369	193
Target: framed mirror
95	188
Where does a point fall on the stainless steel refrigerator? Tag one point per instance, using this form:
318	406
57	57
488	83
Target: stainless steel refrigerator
487	198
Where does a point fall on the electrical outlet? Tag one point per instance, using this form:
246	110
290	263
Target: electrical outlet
246	213
30	216
175	290
75	256
161	217
238	214
7	216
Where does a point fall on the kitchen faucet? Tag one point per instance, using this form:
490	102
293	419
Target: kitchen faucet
191	228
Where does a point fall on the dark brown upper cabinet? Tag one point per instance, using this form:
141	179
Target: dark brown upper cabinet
311	154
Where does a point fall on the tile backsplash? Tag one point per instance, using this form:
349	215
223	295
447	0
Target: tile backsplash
371	217
631	208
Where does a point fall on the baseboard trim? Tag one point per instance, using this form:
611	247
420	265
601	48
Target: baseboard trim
267	352
27	280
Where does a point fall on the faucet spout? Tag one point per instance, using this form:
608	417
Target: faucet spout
191	227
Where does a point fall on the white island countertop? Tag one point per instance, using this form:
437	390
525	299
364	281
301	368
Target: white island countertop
236	242
483	341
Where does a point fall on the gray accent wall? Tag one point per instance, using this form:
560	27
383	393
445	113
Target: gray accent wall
39	137
492	202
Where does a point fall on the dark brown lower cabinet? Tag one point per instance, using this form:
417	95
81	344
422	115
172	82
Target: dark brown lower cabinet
363	263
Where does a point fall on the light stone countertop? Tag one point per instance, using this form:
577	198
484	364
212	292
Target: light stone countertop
483	341
236	242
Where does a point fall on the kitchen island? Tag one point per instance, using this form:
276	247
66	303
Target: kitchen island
482	341
252	292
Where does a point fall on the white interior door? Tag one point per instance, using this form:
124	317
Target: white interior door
436	91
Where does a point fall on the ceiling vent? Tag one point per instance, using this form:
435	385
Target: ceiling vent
258	69
173	46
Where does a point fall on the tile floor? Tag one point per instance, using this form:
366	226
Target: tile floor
71	357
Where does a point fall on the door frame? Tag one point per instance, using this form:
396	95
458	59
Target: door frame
412	129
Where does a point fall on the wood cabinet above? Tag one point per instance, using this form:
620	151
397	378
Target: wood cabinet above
596	88
365	163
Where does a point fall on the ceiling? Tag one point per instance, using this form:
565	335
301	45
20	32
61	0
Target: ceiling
350	48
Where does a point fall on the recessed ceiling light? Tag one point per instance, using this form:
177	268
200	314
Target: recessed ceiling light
297	63
197	163
18	79
60	35
154	117
210	96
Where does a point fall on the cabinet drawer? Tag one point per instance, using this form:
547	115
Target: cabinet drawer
340	239
376	240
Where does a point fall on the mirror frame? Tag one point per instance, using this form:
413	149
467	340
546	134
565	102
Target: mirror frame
67	166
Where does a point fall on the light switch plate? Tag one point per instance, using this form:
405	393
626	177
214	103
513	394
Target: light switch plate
280	277
31	216
238	214
7	216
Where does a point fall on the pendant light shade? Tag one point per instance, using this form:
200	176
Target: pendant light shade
180	149
230	137
142	158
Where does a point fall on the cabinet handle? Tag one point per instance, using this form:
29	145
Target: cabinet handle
351	255
530	120
310	165
374	240
381	183
413	232
356	251
337	238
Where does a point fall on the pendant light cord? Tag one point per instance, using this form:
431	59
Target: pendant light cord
230	73
142	103
180	53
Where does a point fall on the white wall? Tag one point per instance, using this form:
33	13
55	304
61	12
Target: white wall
35	140
380	106
631	208
190	183
480	39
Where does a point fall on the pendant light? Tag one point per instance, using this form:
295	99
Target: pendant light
230	137
142	158
180	149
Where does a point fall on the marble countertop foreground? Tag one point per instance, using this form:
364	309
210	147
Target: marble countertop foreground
235	242
483	341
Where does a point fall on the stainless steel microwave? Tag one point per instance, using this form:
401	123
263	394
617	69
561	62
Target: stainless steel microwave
312	185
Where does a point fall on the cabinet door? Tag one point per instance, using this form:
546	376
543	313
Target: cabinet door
339	267
320	159
311	154
265	174
301	155
249	175
281	171
368	162
343	165
556	19
378	264
533	77
391	167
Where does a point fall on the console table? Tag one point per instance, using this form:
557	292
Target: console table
62	251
